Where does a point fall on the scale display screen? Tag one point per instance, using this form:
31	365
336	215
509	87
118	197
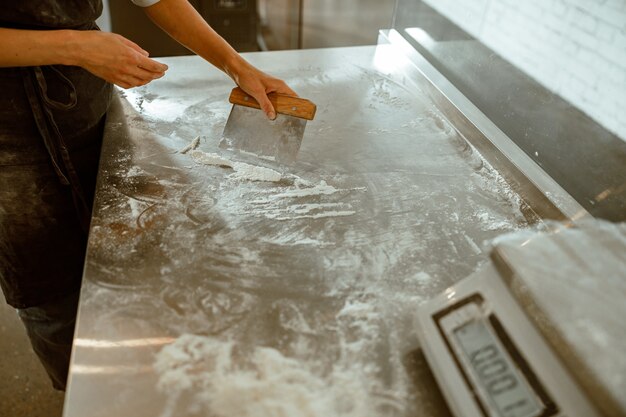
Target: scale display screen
499	378
493	371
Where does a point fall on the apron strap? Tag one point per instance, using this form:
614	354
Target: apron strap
43	88
37	93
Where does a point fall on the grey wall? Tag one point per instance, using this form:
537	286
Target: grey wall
575	48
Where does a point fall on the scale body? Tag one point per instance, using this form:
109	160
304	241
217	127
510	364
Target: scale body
491	344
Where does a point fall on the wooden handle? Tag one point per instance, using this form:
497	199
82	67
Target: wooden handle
289	105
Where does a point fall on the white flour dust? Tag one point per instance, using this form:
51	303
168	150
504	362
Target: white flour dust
210	159
191	146
206	375
242	170
302	200
276	203
249	172
306	189
310	211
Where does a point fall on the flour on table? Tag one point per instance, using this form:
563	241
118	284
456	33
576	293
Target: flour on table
242	170
256	155
249	172
319	189
210	159
307	211
320	215
191	146
304	188
277	204
217	378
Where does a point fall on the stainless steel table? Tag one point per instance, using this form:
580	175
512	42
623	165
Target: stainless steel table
206	294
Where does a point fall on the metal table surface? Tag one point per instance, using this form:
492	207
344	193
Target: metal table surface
208	294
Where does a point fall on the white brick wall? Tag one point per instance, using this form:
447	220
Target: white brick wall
575	48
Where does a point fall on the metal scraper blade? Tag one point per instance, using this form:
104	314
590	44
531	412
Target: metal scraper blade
249	130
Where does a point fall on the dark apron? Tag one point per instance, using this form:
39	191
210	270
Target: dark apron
51	122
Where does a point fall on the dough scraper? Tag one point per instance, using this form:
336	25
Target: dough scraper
249	130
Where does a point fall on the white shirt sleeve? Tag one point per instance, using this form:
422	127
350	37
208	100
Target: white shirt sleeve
145	3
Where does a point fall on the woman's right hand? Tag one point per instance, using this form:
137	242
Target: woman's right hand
106	55
116	59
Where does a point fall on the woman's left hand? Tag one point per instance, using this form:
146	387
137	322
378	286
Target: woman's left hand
187	26
259	84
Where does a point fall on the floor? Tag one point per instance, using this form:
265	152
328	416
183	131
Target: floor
24	387
25	390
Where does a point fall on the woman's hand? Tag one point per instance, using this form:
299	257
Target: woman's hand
259	85
106	55
183	23
115	59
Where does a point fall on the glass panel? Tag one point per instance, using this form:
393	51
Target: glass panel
550	74
297	24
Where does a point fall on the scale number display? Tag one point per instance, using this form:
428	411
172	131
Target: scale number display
494	372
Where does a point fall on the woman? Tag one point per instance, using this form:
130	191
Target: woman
56	76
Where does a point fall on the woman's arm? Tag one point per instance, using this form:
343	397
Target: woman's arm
183	23
106	55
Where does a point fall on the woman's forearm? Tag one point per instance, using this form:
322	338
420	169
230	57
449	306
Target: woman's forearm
106	55
23	48
183	23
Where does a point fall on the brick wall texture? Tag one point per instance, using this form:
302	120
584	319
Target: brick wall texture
575	48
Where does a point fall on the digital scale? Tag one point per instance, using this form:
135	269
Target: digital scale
501	342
